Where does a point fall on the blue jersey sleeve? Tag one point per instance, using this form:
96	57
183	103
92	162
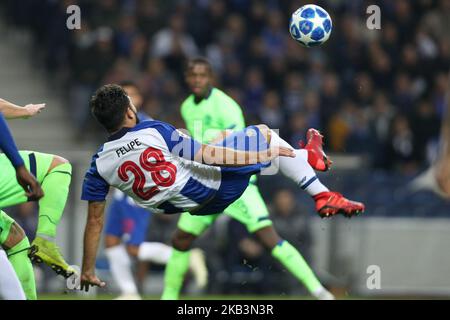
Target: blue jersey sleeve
95	188
7	144
179	143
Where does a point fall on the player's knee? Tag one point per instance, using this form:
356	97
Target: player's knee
133	250
58	161
182	241
112	241
264	129
16	234
268	237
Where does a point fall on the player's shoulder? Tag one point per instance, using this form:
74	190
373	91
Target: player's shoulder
99	150
217	93
165	130
224	98
156	124
188	102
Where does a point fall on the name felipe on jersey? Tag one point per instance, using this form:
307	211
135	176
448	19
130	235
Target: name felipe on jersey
127	148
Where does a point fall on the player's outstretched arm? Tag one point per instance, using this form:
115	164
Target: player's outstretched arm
12	111
92	233
28	182
227	157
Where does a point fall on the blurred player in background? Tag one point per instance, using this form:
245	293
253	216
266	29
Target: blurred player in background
54	175
126	229
209	113
443	164
16	271
166	171
437	177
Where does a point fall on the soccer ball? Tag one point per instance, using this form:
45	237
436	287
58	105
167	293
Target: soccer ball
310	25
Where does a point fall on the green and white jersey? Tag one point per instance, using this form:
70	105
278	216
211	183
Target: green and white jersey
212	115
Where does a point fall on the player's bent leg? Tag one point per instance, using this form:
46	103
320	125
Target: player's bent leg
112	241
299	170
10	287
55	185
120	267
55	182
155	252
265	131
268	237
251	210
188	229
293	261
178	264
124	219
160	253
16	245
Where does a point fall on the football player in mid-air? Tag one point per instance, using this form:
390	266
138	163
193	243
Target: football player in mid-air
16	273
54	175
166	171
209	113
126	228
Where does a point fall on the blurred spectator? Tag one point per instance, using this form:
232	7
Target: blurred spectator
292	222
274	35
292	92
246	262
271	111
425	125
174	44
350	88
380	117
402	154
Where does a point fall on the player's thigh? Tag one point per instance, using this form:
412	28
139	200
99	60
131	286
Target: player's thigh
10	232
252	138
139	220
5	226
250	210
114	220
195	225
11	193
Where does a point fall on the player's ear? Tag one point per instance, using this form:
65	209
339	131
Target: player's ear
130	113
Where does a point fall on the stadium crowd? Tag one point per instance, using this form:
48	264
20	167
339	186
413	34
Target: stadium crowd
375	93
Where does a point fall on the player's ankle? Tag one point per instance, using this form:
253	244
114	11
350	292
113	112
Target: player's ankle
45	237
322	294
321	195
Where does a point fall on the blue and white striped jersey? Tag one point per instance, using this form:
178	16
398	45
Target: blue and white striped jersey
151	163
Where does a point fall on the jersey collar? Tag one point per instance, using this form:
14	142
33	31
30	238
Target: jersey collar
197	100
119	134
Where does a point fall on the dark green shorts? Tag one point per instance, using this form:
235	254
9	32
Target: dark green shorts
249	209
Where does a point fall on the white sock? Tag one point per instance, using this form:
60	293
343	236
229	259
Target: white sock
10	287
155	252
197	264
323	294
298	169
120	265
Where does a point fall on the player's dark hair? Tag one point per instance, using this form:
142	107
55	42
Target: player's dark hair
109	105
198	60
